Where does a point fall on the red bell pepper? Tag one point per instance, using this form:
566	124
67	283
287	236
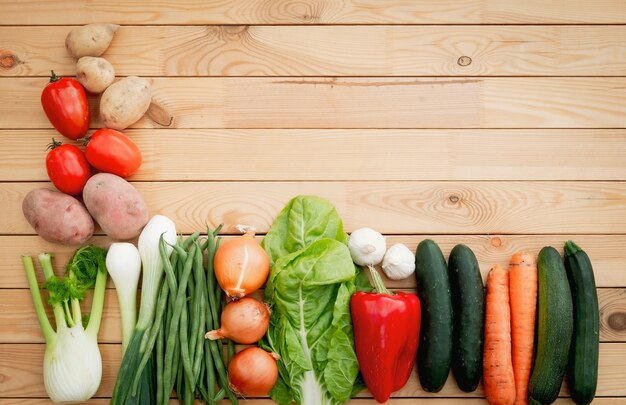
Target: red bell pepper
386	336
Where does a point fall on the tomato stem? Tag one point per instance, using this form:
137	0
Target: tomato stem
54	77
54	144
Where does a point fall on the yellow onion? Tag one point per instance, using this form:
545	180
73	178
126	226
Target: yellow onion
241	265
253	372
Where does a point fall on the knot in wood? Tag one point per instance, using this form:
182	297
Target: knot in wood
464	61
617	321
496	242
453	198
8	60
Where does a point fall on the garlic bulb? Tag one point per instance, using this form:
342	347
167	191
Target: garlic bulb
399	262
367	247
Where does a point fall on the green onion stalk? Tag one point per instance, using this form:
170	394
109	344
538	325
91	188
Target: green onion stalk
136	380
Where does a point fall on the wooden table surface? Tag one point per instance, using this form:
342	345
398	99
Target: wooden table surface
495	123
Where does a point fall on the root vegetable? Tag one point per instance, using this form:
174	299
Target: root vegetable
90	39
95	74
244	321
116	205
241	265
57	217
253	372
123	103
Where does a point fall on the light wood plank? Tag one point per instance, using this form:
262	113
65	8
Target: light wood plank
358	103
22	326
331	51
23	378
348	154
311	12
390	207
605	251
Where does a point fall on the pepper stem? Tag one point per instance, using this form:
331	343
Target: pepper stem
379	286
54	77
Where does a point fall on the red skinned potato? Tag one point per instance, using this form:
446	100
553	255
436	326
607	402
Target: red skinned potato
57	217
116	205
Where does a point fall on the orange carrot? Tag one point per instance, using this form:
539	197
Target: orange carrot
523	293
497	364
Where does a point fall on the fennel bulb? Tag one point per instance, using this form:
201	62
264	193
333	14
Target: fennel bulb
72	364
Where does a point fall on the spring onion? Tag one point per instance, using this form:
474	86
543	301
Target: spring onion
124	265
131	368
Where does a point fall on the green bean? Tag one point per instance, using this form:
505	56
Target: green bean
159	364
221	370
191	239
178	307
170	384
213	302
220	395
198	308
230	351
192	313
189	396
204	395
199	350
179	382
169	266
210	371
184	345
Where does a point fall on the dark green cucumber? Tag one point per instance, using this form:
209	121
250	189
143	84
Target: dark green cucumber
468	308
433	288
555	324
582	370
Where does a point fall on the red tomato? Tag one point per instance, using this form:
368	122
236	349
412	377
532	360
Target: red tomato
67	168
65	103
111	151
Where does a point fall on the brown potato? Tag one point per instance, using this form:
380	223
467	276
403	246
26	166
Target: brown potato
116	205
90	39
57	217
95	74
124	102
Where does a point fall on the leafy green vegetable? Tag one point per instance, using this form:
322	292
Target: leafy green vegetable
309	288
304	220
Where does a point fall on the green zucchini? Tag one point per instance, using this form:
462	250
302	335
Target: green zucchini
468	308
555	324
433	288
582	370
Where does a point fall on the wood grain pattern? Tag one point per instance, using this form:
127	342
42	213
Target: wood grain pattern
18	312
613	314
358	103
67	12
390	207
605	251
24	378
354	154
331	51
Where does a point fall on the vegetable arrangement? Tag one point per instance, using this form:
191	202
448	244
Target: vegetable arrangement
321	335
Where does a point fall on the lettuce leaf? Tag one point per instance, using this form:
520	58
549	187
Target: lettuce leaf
309	289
